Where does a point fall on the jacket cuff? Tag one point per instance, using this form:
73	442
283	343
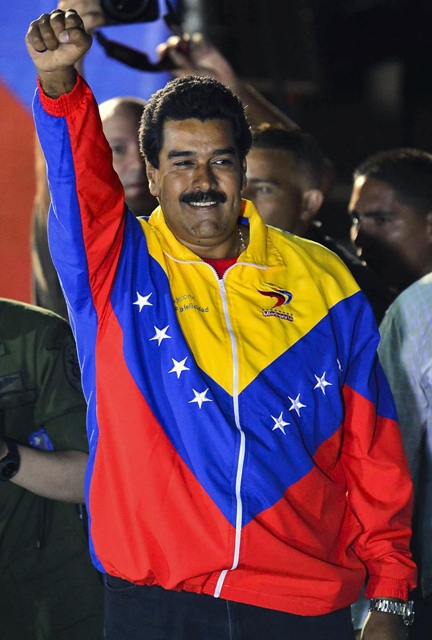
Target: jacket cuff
379	587
67	102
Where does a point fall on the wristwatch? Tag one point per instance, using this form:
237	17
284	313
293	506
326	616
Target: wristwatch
404	609
10	463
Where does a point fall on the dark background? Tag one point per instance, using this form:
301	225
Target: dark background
355	73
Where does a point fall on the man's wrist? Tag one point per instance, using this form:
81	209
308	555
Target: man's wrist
10	462
56	83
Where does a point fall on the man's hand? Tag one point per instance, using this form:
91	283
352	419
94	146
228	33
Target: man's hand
193	55
90	11
384	626
56	42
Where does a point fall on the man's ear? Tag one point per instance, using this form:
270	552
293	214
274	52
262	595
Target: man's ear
153	179
311	202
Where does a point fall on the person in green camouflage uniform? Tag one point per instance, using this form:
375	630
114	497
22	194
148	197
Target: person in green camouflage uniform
48	586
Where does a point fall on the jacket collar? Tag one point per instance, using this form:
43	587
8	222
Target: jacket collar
261	251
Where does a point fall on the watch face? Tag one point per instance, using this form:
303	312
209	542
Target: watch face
8	468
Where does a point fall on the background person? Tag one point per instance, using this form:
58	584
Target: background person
48	586
286	169
406	354
390	208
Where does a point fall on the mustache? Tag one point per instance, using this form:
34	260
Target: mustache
204	196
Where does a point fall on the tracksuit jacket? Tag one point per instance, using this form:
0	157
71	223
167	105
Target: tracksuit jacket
243	439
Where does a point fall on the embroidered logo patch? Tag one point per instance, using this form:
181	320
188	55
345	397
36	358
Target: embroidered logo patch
281	298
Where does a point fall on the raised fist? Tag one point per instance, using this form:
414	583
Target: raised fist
56	41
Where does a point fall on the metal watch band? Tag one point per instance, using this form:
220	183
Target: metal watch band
404	609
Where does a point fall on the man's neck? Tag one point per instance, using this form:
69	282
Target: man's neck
232	247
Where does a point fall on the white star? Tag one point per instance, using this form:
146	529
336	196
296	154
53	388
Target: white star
296	404
280	424
322	383
179	367
160	335
143	301
200	398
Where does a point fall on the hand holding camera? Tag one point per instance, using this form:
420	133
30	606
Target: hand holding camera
194	55
90	12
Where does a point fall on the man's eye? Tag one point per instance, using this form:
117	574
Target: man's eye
183	163
223	162
263	190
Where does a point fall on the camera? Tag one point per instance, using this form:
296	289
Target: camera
130	11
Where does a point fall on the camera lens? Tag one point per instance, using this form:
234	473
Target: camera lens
130	10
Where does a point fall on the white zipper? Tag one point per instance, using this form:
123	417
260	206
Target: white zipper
240	464
241	457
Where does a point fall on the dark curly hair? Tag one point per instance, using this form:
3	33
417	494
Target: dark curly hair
192	97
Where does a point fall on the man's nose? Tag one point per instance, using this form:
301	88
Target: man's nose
363	232
204	177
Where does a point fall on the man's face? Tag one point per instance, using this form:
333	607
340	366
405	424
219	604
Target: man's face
390	236
121	131
199	183
274	186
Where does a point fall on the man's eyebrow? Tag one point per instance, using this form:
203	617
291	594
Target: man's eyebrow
188	154
180	154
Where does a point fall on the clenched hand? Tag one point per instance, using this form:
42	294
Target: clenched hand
55	42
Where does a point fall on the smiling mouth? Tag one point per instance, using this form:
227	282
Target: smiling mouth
204	199
205	203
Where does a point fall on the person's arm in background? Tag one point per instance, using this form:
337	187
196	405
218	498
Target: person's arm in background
47	292
193	55
58	475
52	444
